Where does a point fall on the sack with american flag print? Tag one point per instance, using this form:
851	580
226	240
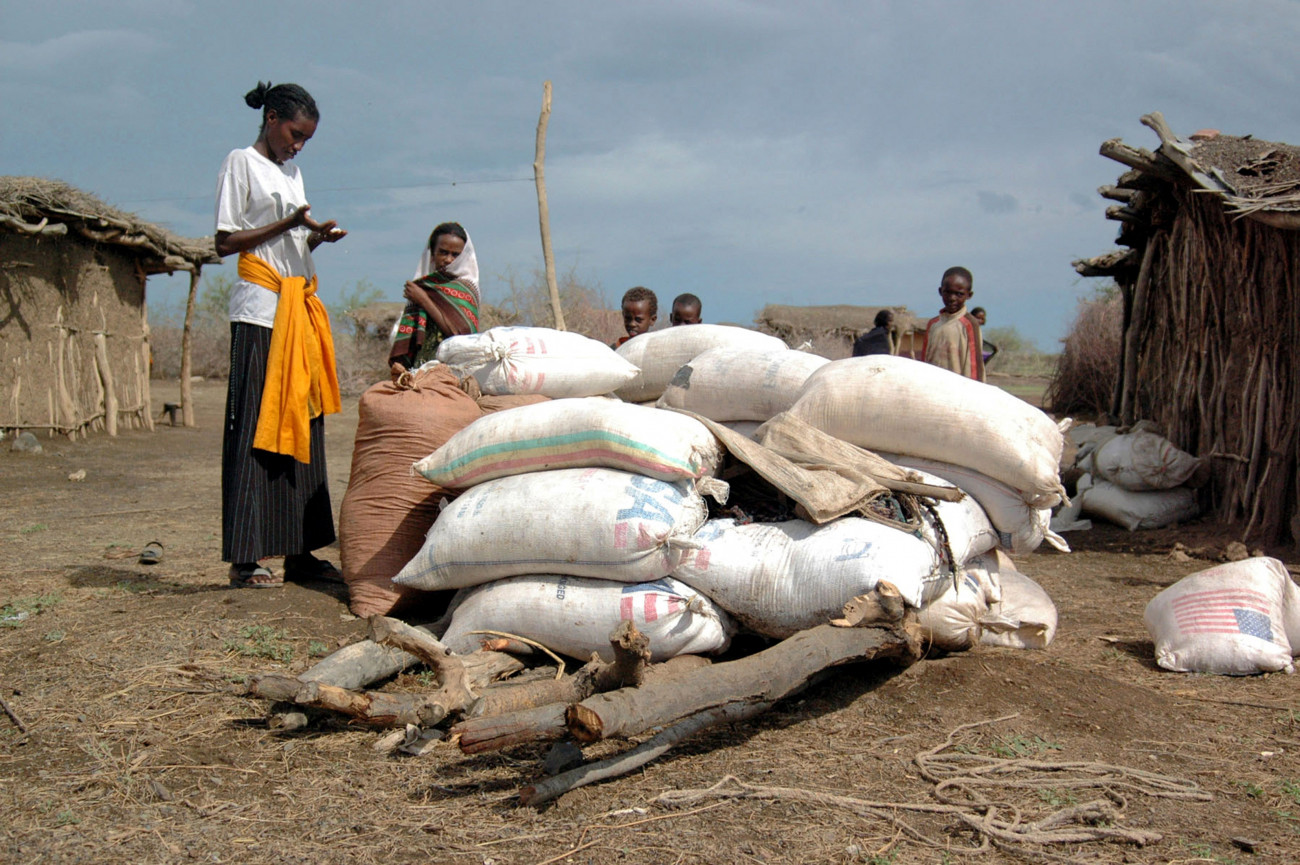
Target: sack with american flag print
1230	620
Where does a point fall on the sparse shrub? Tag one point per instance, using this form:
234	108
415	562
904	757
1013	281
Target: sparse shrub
527	301
1086	371
1016	354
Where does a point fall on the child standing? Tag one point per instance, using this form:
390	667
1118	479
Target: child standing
274	492
952	338
686	310
640	310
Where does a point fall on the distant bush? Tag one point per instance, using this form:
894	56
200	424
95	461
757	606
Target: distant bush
1084	379
1016	354
527	301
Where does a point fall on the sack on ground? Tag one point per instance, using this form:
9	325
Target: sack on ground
1133	511
1021	528
953	621
575	433
581	522
536	360
1143	461
902	406
780	578
660	353
1024	616
386	512
1229	619
576	615
733	384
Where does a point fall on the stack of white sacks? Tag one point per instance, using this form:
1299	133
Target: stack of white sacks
1138	480
581	512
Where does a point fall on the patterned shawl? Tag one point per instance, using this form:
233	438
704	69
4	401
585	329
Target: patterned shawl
416	336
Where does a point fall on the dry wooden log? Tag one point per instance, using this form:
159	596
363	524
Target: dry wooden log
1139	158
765	676
489	727
1114	193
364	662
1132	337
377	708
454	693
651	749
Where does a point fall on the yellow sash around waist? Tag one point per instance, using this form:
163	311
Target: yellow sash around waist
301	380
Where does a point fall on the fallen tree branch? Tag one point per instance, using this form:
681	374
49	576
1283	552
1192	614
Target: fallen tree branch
766	676
13	716
651	749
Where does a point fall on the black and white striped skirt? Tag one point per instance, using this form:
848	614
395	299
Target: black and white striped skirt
271	504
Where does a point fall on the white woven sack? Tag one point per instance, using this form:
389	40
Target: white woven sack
660	353
575	615
1023	618
730	384
952	621
575	433
1149	510
1020	527
903	406
516	360
965	525
1228	620
582	522
1143	461
780	578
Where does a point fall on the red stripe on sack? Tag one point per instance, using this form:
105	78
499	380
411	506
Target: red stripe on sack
651	608
625	609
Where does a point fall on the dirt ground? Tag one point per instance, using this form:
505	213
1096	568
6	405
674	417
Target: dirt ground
141	747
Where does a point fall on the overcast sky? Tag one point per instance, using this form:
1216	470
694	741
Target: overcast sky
749	152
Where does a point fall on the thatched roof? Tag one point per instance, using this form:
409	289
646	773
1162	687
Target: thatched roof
841	319
41	207
1254	179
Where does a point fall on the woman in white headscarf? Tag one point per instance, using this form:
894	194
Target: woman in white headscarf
442	300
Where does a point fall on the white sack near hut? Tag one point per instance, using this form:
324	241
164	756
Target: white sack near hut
537	360
735	384
903	406
575	433
1143	461
582	522
1229	619
659	354
575	615
1149	510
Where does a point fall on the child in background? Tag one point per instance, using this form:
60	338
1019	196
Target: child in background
686	310
640	309
878	340
952	338
990	349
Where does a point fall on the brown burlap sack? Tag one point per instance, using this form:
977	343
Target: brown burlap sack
488	403
386	512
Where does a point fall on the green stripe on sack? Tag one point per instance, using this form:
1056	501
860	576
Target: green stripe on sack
561	443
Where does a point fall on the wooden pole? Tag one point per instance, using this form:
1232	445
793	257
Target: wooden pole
106	380
543	211
187	343
1132	337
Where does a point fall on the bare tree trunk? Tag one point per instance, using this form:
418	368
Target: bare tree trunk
187	346
543	210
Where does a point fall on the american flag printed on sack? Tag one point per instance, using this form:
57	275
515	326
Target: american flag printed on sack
1224	611
650	595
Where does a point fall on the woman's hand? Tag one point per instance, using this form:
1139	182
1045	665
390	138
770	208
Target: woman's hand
417	296
321	232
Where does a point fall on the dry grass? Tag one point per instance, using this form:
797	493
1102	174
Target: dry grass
1084	380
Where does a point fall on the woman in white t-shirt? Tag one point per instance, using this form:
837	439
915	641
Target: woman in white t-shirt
275	495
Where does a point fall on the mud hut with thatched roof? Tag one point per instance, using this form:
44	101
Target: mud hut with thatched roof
1210	277
74	333
831	329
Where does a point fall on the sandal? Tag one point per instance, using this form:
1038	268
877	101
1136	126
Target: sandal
306	567
253	576
152	553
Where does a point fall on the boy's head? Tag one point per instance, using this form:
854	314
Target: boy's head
955	289
640	309
686	310
979	315
885	318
